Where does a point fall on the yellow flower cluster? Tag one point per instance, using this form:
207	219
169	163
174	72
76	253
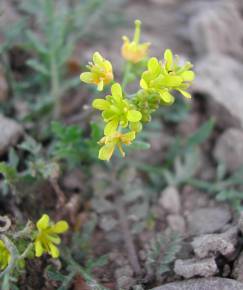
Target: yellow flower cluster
45	239
100	73
5	256
124	114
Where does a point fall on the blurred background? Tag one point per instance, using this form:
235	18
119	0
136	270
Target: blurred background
188	184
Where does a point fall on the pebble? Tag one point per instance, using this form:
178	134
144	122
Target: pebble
208	220
170	200
10	132
216	283
229	148
192	267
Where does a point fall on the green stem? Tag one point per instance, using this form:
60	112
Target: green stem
127	70
55	82
26	252
55	86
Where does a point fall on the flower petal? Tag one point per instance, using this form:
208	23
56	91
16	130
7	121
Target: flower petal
143	84
43	222
111	127
97	58
188	75
153	64
134	116
128	137
86	77
185	94
100	86
100	104
54	252
116	91
167	98
106	151
38	248
55	239
60	227
168	56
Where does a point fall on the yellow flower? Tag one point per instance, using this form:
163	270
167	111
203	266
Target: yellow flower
117	111
47	237
133	50
100	74
163	78
5	256
110	142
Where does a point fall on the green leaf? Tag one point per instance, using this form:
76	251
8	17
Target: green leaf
39	67
202	134
36	42
9	173
139	145
30	145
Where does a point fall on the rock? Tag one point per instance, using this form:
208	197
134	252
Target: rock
11	131
208	220
237	272
176	223
203	284
124	277
107	223
192	267
220	78
207	245
170	200
229	148
240	223
213	25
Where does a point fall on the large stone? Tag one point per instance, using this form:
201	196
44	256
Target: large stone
237	272
203	284
10	132
240	223
219	77
210	245
213	25
208	220
192	267
229	149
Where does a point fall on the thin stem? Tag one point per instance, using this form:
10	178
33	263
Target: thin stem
60	194
26	252
127	70
129	243
55	86
137	31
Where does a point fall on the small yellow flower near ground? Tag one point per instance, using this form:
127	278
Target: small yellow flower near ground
133	50
5	256
110	142
100	74
48	236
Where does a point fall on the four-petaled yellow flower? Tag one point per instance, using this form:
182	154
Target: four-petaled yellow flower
133	50
162	78
47	237
111	141
100	74
5	256
117	111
